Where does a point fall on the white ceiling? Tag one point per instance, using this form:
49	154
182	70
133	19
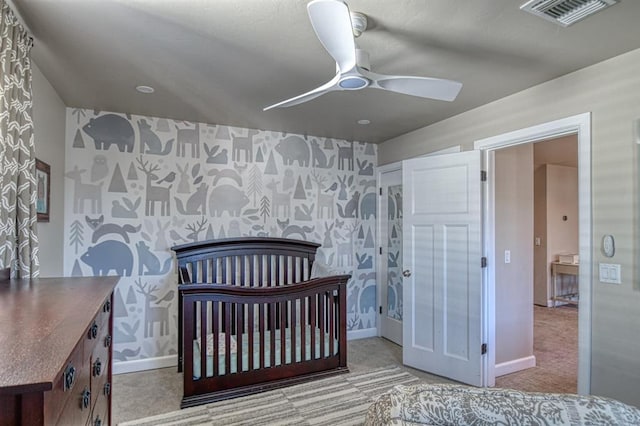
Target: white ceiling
222	61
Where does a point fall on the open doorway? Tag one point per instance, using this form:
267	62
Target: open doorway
536	211
579	125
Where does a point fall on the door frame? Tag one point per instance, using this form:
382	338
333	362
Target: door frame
579	125
381	170
381	253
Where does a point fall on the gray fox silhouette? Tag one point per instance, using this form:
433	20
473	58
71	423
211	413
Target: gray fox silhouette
101	229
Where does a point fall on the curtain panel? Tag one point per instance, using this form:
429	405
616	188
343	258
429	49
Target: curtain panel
18	217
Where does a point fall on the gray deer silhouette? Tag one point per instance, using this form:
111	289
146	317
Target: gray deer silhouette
84	191
154	193
153	314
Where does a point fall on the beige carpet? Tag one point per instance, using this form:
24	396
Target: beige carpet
555	346
338	400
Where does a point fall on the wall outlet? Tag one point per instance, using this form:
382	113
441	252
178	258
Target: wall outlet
507	256
537	241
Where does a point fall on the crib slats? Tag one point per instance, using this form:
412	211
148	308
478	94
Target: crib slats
312	305
250	330
203	339
262	334
332	322
226	313
224	270
272	334
285	267
303	329
239	329
283	333
322	325
215	311
293	329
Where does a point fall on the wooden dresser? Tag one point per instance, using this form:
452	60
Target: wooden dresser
55	351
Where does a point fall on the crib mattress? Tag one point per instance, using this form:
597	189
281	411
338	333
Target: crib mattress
309	354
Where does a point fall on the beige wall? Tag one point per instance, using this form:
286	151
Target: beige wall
514	232
541	271
49	121
611	92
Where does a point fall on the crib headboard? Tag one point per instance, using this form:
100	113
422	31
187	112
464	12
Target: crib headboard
254	261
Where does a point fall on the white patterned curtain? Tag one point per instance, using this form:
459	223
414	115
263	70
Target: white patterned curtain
18	217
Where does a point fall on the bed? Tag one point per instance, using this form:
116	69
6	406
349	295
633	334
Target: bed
251	318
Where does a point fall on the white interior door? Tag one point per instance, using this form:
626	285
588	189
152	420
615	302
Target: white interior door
391	256
442	321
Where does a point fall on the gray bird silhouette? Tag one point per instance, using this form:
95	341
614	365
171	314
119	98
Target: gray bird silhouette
168	178
332	187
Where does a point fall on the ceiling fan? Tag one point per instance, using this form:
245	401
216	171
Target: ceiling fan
336	28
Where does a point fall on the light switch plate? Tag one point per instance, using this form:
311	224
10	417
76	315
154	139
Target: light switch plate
610	273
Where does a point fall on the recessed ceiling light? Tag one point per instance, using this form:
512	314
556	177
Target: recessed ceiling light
145	89
364	121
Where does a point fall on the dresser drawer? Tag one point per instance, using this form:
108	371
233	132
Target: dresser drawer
77	408
100	413
100	361
105	312
69	384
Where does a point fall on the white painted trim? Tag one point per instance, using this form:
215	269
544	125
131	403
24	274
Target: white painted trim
581	126
134	365
381	235
362	334
515	365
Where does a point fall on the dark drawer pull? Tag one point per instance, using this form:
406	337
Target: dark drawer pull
97	367
86	399
69	377
107	306
97	422
107	388
93	331
107	341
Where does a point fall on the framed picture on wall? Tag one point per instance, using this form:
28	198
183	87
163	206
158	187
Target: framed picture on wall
43	185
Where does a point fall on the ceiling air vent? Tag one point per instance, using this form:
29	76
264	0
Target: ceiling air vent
566	12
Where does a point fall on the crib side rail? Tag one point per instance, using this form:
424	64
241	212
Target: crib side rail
260	334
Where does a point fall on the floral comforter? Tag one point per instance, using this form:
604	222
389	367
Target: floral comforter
442	404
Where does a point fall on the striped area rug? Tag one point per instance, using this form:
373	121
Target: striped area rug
338	400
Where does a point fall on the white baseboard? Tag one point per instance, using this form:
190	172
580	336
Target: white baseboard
134	365
515	365
362	334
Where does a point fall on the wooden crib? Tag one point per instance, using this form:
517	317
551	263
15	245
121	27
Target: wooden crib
250	319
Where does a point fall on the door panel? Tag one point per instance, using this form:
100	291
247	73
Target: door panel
442	325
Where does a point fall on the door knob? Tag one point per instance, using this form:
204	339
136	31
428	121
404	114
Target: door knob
406	273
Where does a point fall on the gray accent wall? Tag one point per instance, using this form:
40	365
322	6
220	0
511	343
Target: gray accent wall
49	136
609	90
135	186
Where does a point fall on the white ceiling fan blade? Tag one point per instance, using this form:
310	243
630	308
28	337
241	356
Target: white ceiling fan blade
312	94
332	23
424	87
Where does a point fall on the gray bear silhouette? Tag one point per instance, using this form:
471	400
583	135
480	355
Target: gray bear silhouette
110	129
229	198
294	148
109	255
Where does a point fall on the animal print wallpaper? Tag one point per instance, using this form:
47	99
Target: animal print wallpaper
135	186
